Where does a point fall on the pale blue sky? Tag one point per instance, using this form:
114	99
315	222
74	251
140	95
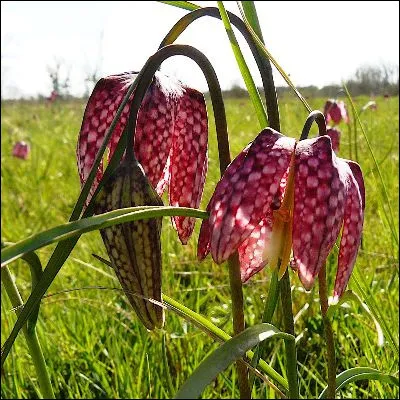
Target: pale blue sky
315	42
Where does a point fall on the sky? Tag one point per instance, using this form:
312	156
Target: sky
316	43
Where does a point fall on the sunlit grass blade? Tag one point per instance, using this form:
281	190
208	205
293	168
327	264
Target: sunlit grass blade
267	54
217	333
358	374
186	5
84	225
262	62
349	295
244	69
32	340
36	269
225	355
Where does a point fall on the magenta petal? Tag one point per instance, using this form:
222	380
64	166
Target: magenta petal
188	167
242	199
155	129
252	249
203	247
99	113
318	206
353	224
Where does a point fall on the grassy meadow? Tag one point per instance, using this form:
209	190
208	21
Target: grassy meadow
93	343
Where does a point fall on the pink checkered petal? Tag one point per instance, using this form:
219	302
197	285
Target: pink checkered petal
353	224
319	200
251	250
188	167
203	247
244	198
100	111
155	128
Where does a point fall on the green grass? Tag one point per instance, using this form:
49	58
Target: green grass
93	343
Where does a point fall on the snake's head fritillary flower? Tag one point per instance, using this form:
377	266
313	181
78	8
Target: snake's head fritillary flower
334	133
335	111
21	150
278	196
170	138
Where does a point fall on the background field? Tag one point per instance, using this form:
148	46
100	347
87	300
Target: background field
93	343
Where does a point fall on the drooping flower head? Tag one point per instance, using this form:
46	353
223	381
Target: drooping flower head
279	195
170	147
335	111
334	133
170	138
21	150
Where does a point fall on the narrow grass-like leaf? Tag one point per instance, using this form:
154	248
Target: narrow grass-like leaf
266	52
263	64
244	69
358	374
100	221
186	5
225	355
36	272
349	295
217	333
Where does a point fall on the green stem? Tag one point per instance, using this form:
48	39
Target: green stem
238	319
330	345
31	337
290	346
269	309
355	135
350	142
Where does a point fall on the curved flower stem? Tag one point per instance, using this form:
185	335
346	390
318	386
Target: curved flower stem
290	346
319	118
323	298
32	340
262	62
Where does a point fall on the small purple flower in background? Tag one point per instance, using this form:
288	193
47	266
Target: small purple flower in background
277	195
334	134
21	150
171	138
335	111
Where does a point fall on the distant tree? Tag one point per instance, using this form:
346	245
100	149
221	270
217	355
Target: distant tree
60	80
375	80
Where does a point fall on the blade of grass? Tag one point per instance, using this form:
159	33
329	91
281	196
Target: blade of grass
84	225
186	5
360	373
226	354
267	54
244	69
